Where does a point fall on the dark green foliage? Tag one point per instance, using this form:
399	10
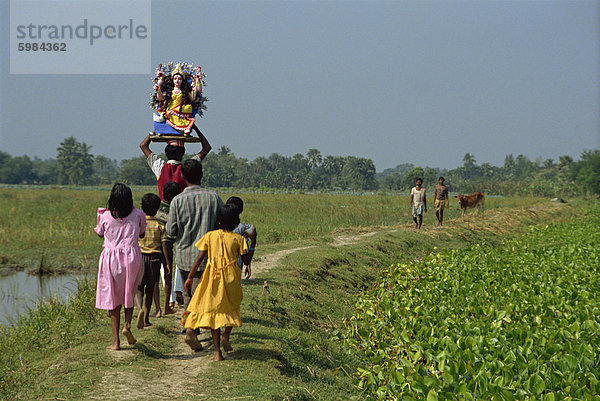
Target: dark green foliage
517	321
74	162
135	171
222	169
518	176
23	170
589	171
105	170
15	170
46	171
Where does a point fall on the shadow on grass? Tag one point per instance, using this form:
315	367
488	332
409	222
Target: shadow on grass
191	355
186	355
258	322
293	357
168	331
259	354
252	338
149	352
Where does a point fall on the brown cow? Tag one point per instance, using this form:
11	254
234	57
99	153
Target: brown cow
467	201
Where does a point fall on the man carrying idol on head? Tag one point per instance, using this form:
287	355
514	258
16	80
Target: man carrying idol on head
177	98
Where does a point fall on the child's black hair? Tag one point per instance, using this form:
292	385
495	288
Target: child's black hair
191	170
120	202
236	201
174	152
228	217
170	190
150	204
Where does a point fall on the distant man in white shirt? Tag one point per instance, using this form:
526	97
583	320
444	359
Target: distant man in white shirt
418	202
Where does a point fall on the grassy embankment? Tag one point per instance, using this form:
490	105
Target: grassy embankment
286	348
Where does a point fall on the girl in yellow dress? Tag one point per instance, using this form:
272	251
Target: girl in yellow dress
216	300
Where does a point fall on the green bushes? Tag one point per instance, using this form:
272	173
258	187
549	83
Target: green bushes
520	321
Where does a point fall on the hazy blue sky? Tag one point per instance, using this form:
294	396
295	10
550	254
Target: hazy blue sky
398	82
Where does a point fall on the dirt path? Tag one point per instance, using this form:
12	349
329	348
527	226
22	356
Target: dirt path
183	365
266	263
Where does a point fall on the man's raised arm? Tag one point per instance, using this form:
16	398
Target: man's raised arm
145	146
206	148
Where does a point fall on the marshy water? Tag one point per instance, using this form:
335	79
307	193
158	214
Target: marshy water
20	292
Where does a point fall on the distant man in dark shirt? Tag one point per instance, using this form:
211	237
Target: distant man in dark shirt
440	200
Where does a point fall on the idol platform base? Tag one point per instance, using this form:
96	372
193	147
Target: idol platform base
167	138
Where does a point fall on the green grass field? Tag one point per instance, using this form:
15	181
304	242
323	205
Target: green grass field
54	226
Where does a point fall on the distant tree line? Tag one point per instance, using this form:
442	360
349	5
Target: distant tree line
75	165
518	176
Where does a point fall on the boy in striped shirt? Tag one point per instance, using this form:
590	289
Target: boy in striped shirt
152	247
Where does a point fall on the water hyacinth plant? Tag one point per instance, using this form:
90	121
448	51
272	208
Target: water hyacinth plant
520	321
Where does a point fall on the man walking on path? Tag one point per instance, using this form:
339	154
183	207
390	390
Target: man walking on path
440	200
418	202
191	215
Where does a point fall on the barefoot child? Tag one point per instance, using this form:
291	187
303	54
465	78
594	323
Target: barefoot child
152	256
242	229
170	190
216	301
120	265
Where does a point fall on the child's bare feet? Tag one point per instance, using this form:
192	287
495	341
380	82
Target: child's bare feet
114	347
192	340
130	338
140	320
158	313
218	356
226	345
146	324
169	311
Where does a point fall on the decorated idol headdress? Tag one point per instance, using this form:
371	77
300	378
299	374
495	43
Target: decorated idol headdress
187	70
178	70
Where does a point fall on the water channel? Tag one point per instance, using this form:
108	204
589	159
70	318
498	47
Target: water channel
21	292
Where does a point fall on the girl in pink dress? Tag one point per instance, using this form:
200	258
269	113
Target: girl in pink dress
120	266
